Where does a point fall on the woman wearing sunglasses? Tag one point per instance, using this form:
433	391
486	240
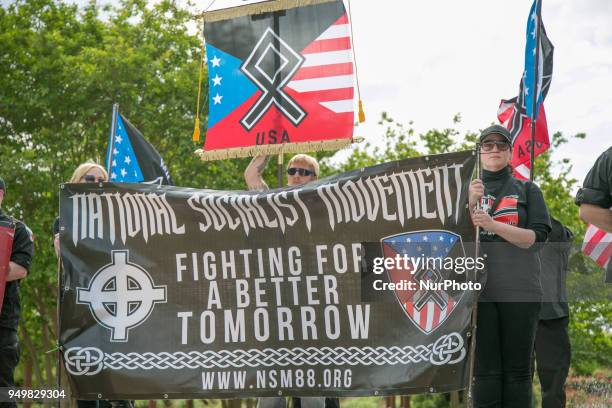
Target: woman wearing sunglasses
88	172
513	219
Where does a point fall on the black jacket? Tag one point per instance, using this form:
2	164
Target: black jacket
513	273
597	186
555	256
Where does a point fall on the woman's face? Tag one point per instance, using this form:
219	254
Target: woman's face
492	155
93	175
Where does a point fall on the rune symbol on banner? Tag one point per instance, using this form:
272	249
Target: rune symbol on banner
270	66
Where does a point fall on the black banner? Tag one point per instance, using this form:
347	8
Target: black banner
175	292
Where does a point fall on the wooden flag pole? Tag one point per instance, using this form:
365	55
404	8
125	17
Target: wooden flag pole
112	137
534	105
58	304
474	319
279	170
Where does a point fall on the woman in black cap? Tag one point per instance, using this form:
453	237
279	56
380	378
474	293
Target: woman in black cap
513	219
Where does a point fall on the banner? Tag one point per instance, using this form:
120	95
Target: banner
174	292
280	79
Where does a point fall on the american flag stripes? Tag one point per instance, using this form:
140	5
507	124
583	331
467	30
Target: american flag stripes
427	309
327	72
597	245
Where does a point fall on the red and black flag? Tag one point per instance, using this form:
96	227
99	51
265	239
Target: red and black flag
516	114
279	77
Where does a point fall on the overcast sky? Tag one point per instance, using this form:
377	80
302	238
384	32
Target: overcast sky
427	60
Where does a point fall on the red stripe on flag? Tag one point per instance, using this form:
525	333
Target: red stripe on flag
435	322
342	20
331	94
605	255
334	44
323	71
590	246
409	308
450	306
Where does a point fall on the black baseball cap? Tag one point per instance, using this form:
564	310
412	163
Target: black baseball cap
496	130
2	185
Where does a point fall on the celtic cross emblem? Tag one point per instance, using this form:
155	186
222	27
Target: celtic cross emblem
121	296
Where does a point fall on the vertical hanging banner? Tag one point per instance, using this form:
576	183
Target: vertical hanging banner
280	78
174	292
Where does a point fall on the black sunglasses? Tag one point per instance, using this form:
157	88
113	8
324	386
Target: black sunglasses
89	178
302	172
501	146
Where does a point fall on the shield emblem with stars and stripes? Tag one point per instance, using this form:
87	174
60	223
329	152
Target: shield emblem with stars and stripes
427	309
280	78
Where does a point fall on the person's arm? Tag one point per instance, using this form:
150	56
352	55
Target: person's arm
16	272
537	223
521	237
595	196
21	254
56	244
600	217
56	237
254	171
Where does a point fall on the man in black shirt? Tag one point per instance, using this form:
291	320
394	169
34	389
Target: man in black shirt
552	343
19	264
595	197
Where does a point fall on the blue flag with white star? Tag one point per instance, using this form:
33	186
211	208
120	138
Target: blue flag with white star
131	158
544	62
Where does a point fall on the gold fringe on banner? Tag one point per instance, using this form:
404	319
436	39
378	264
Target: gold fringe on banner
258	8
251	151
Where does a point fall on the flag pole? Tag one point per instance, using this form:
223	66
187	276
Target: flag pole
534	104
474	318
279	170
58	314
277	66
111	145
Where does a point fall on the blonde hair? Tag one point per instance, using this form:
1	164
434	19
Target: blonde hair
309	160
84	168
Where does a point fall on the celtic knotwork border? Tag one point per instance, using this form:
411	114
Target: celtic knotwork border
447	349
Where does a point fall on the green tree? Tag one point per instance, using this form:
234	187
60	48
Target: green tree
62	68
